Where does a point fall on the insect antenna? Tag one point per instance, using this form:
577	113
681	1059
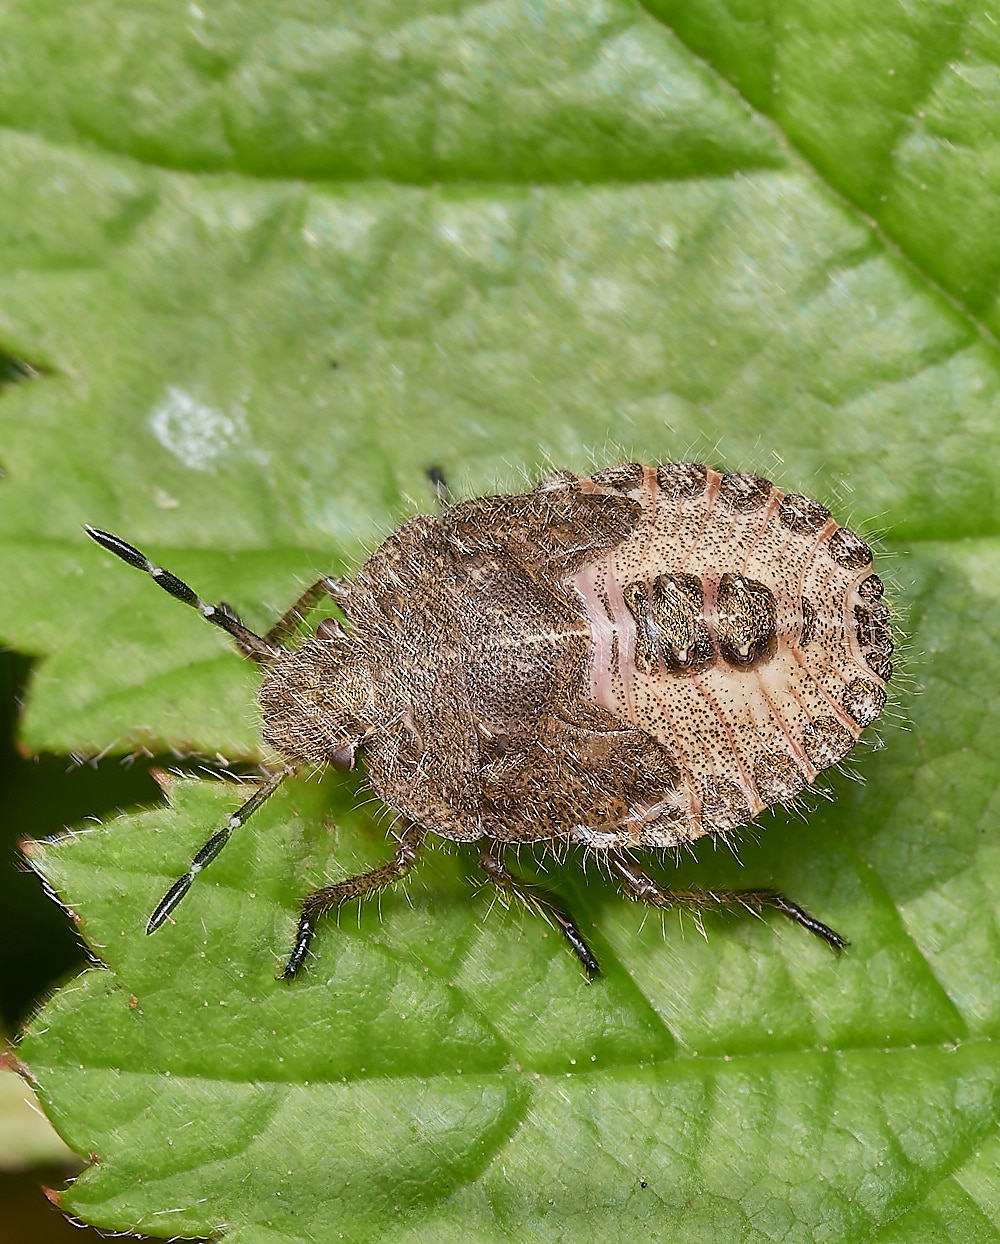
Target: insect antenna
212	848
220	615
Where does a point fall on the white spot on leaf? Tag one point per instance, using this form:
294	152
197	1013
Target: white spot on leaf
198	434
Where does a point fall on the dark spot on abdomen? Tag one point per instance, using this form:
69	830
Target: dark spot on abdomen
747	628
669	624
744	493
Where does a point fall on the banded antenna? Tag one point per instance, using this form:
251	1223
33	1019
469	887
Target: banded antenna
250	645
220	615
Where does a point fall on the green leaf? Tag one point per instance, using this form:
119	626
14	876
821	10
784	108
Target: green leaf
895	106
264	266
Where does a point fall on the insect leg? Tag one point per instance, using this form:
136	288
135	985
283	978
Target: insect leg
220	615
774	898
442	493
330	897
337	589
639	885
491	862
212	848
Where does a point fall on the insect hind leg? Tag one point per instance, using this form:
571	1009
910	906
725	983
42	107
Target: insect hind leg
639	885
330	897
491	862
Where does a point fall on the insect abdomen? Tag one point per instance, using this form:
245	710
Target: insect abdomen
741	627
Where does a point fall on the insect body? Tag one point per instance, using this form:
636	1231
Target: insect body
626	661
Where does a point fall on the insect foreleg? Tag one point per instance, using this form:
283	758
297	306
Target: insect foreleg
330	897
337	589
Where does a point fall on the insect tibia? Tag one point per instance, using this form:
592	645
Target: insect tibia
492	863
329	898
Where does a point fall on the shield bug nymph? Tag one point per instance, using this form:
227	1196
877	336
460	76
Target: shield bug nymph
624	661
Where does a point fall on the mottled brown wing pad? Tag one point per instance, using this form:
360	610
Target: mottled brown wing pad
590	773
742	628
553	529
475	659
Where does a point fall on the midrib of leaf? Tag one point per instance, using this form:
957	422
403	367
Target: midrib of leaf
727	1062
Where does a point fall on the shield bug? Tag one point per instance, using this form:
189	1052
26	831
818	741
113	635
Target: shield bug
626	661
